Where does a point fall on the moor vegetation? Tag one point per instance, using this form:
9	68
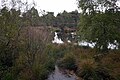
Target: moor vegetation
27	51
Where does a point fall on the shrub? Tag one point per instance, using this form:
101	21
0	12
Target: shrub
40	72
8	76
86	68
50	64
68	62
112	63
89	70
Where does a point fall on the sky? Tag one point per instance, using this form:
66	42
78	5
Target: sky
56	6
52	5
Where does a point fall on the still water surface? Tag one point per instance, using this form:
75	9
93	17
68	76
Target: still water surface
58	75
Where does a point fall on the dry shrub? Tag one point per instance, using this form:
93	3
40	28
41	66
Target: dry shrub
87	64
112	63
88	67
32	62
82	54
26	74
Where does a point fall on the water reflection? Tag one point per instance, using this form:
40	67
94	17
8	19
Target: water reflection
58	75
81	43
57	40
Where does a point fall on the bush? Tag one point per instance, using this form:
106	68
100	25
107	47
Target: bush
86	68
68	62
40	72
50	65
8	76
112	63
89	70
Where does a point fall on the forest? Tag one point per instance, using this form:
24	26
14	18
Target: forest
28	53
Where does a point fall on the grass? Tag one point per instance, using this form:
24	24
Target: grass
92	66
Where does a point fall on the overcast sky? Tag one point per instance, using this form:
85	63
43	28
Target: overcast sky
56	5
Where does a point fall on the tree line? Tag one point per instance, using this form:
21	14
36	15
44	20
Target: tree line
31	16
64	19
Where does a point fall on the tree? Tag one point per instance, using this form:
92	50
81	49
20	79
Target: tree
9	28
31	17
48	19
99	25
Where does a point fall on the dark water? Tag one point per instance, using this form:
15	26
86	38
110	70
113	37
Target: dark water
58	75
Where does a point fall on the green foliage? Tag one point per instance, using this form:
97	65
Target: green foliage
31	17
9	21
48	19
68	62
8	76
22	55
98	26
41	72
66	19
57	51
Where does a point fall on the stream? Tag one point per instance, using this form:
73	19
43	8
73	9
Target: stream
58	75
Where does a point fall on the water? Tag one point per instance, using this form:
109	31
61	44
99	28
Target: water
57	40
84	43
58	75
